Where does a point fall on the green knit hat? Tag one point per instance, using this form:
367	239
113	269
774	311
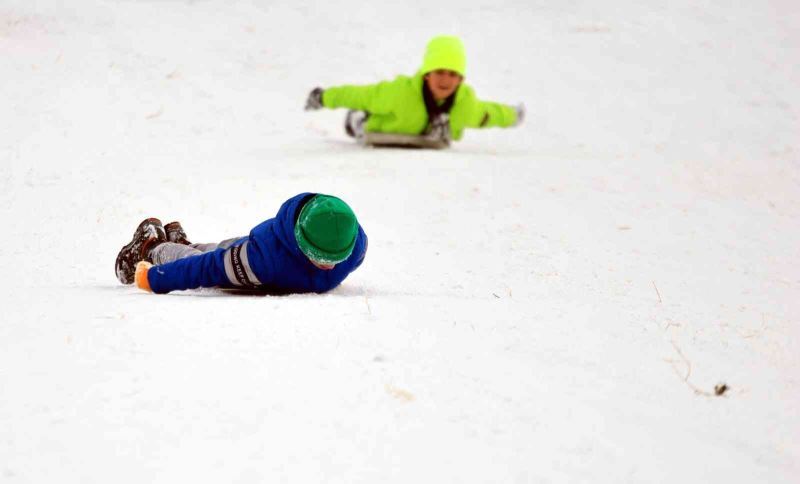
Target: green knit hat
445	52
326	230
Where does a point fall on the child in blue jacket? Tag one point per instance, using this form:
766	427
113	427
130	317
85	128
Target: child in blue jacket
311	245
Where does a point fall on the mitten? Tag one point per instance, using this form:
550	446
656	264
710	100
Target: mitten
141	275
520	109
314	100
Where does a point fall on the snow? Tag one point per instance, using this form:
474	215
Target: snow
538	304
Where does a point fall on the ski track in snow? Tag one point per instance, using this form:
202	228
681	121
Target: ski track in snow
549	303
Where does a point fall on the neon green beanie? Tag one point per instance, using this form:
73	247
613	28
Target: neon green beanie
445	52
326	230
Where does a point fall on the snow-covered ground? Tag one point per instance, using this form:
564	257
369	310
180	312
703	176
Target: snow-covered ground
551	303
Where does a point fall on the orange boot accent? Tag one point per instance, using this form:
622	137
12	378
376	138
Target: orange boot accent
141	275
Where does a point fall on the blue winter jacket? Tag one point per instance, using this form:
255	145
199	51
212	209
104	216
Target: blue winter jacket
268	259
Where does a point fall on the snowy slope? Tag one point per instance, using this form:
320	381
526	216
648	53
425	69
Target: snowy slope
538	304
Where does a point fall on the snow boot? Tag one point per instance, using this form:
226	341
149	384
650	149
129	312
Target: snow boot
148	235
354	123
439	128
175	233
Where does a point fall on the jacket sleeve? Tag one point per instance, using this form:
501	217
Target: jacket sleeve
484	114
491	114
373	98
202	270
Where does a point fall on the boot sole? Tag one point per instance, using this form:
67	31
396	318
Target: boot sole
149	226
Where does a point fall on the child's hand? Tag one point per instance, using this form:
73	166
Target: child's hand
141	275
520	109
314	100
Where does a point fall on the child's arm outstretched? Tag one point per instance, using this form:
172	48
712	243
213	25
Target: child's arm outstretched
202	270
475	113
218	268
488	114
372	98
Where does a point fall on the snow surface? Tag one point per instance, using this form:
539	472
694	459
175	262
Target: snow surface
538	304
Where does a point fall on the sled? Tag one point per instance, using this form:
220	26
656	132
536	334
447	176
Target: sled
394	140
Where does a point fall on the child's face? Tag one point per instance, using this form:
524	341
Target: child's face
442	83
324	267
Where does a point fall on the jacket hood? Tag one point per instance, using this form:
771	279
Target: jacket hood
285	220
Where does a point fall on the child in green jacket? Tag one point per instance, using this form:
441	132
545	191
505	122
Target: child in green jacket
434	103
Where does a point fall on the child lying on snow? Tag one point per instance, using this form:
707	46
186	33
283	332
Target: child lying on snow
434	103
312	245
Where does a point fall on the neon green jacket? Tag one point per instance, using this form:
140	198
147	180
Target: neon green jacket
398	107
